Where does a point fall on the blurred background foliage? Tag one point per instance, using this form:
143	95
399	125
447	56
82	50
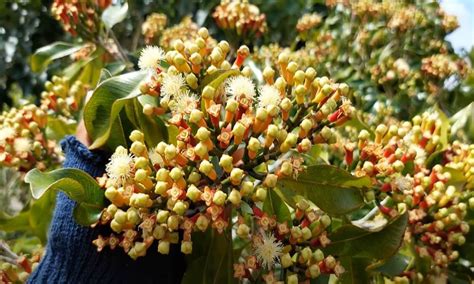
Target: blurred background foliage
26	25
368	51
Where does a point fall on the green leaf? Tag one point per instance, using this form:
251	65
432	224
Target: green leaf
350	240
43	56
458	179
409	168
355	270
435	158
101	113
333	190
464	120
58	127
274	206
218	77
76	184
445	127
392	266
358	123
34	218
153	128
19	222
115	68
211	260
41	212
114	14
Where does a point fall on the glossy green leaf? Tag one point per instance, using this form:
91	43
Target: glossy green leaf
114	14
435	158
333	190
392	266
464	120
355	270
350	240
19	222
358	123
154	128
57	128
274	206
33	219
445	127
101	113
218	77
458	179
43	56
76	184
41	212
211	260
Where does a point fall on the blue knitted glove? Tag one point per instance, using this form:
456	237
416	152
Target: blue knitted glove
72	258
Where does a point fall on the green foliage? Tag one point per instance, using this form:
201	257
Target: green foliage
44	55
26	26
353	241
102	112
77	185
333	190
212	261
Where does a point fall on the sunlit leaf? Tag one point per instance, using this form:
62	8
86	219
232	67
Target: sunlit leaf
114	14
43	56
350	240
103	109
76	184
274	206
333	190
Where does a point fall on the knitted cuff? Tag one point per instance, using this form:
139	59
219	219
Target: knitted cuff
79	157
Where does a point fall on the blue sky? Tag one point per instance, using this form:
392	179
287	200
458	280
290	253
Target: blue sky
463	37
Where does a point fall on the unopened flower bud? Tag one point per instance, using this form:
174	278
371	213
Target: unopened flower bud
186	247
205	167
226	162
292	279
194	177
286	260
201	150
318	255
162	216
132	216
235	197
202	134
196	116
325	220
176	173
170	152
314	271
306	233
254	145
173	222
164	247
180	207
140	175
219	198
137	136
120	216
208	92
270	180
261	194
236	176
193	193
243	231
246	188
140	200
161	187
138	148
